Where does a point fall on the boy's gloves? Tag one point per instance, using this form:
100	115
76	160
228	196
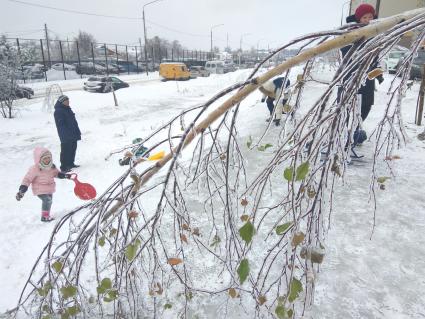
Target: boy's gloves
263	100
380	79
19	195
68	176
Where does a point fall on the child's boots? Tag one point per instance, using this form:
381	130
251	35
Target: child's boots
45	216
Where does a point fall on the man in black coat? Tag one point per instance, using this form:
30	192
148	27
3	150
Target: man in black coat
69	133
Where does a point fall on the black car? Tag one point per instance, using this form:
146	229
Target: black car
23	92
19	92
104	84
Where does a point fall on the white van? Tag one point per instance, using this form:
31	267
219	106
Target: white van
215	67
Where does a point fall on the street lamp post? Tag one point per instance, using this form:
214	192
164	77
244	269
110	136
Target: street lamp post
258	43
146	38
240	47
214	26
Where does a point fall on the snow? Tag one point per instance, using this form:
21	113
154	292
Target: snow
366	273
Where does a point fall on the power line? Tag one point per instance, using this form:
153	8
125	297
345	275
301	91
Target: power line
107	16
73	11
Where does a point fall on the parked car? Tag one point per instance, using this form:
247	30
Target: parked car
229	66
391	60
19	91
416	72
215	67
174	71
28	74
23	92
198	70
109	67
61	67
90	68
130	67
103	84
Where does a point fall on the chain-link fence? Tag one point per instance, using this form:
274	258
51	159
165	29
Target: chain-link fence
43	60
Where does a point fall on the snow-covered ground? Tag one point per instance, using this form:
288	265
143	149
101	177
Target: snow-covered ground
364	274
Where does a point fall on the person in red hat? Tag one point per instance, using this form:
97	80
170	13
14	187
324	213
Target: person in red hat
363	14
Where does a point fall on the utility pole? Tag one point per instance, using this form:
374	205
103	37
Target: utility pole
146	41
48	46
146	38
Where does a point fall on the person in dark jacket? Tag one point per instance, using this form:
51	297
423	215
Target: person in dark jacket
69	133
364	14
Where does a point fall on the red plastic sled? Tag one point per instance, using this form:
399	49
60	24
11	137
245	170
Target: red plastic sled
83	191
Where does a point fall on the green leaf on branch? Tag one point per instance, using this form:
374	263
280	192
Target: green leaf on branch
72	311
101	241
57	266
168	306
302	171
216	241
295	288
280	230
43	291
131	250
105	284
262	148
68	291
247	231
288	174
243	270
113	293
249	142
382	179
280	312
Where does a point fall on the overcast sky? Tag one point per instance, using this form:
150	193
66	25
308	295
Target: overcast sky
261	22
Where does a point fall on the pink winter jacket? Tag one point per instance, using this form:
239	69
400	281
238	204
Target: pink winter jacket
42	181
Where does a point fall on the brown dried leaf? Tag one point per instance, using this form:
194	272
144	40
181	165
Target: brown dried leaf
298	238
262	300
244	202
223	157
183	238
128	154
232	292
195	231
244	218
133	214
159	290
174	261
185	227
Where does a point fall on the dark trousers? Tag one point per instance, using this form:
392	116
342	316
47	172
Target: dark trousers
270	104
67	157
46	201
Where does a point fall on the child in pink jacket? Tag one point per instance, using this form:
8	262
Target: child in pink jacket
41	178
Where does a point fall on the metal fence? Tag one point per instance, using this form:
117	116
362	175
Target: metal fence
43	60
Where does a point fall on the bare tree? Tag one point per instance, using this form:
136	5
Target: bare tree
9	67
85	41
210	227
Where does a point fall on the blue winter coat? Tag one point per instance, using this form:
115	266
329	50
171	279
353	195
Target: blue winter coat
66	124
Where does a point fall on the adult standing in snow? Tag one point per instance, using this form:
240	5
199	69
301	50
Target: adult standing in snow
69	133
272	90
364	14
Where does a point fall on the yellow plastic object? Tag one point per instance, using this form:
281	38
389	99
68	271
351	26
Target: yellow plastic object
156	156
